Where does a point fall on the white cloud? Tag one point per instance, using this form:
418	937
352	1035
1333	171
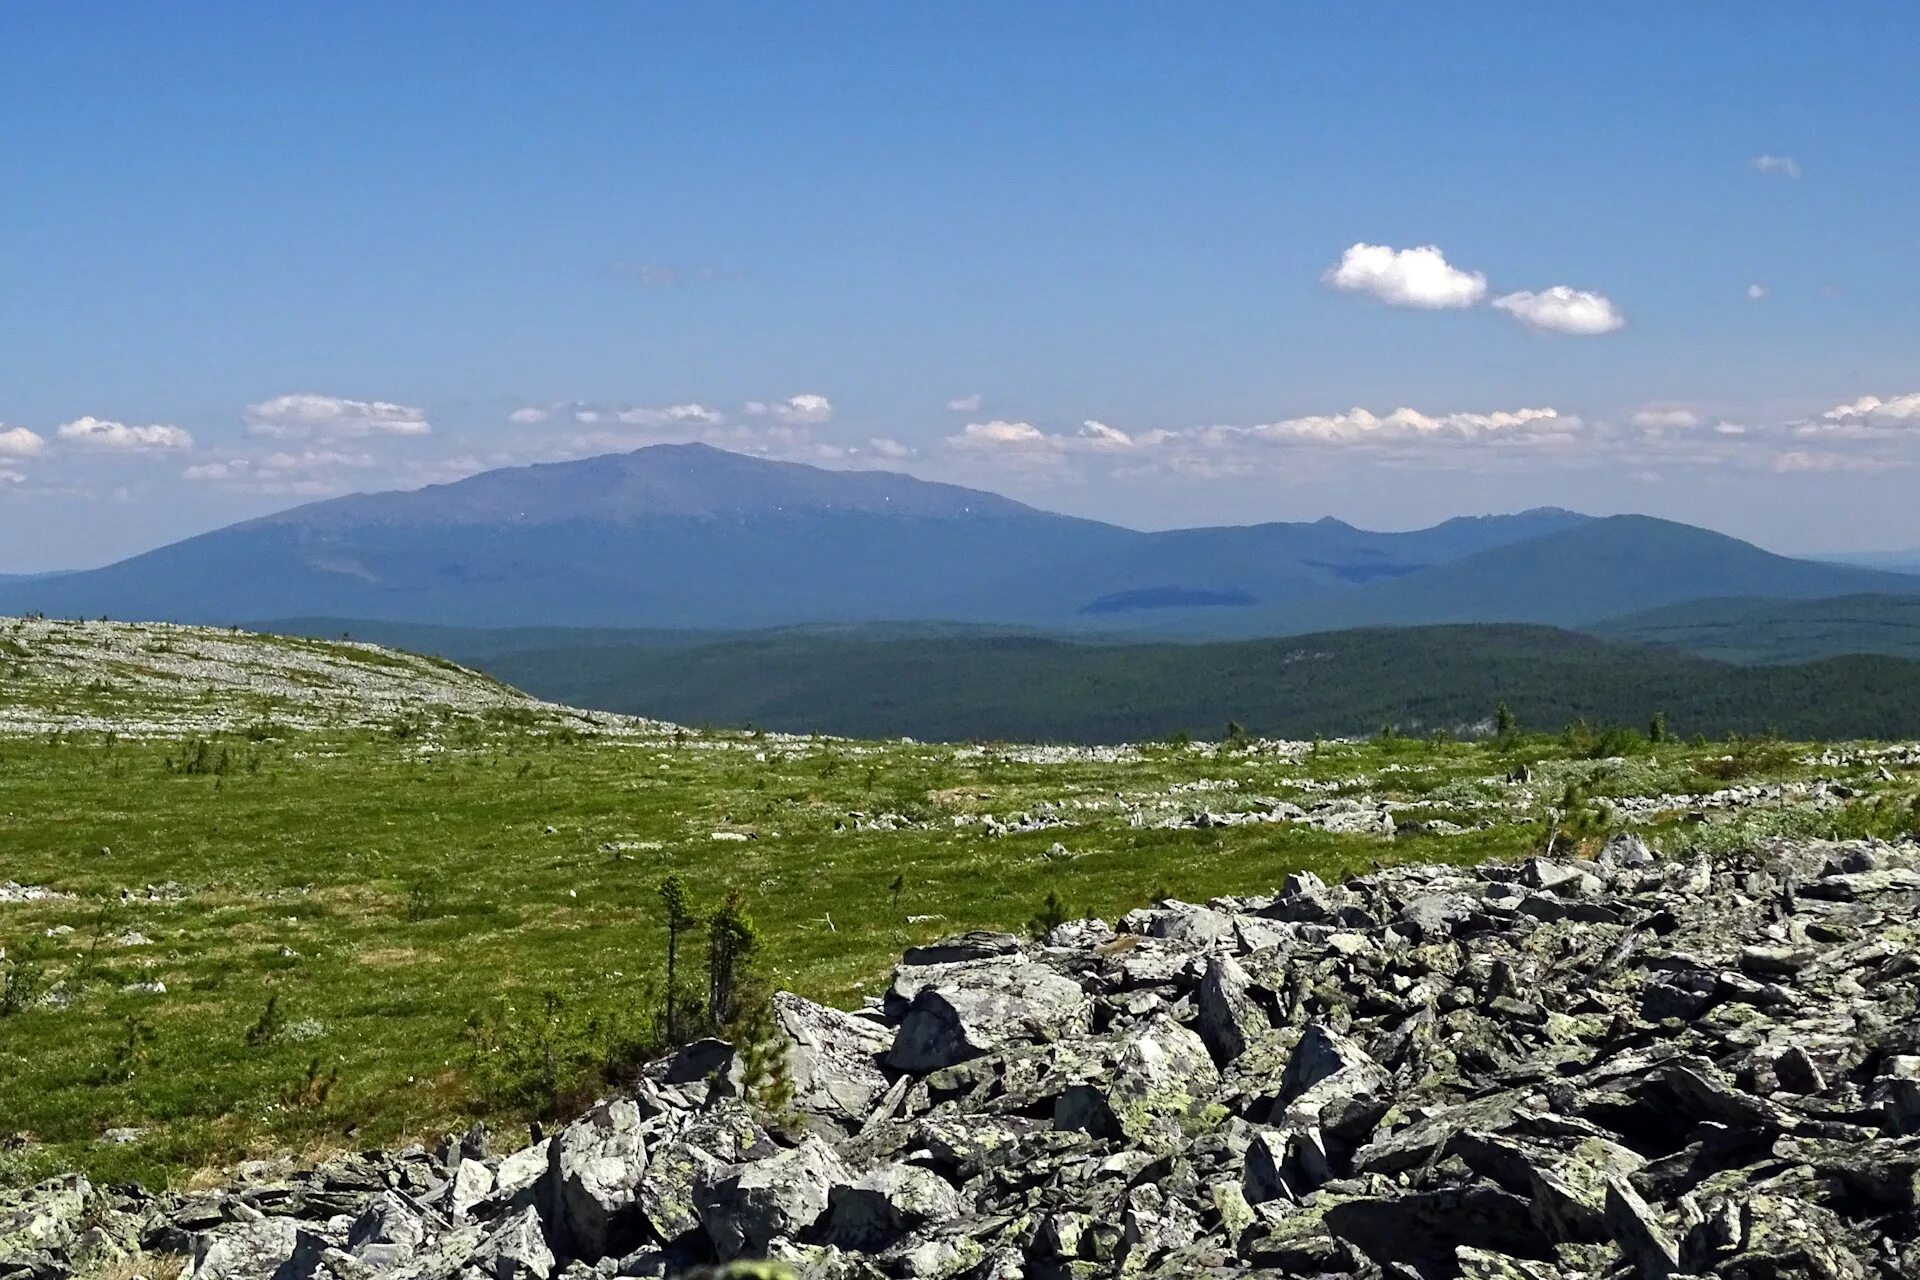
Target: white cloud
1867	418
1420	277
1360	426
627	415
306	413
1000	434
967	403
1202	451
11	477
885	447
1563	310
1098	435
1783	166
18	442
1755	292
805	409
675	413
96	433
1872	411
1665	419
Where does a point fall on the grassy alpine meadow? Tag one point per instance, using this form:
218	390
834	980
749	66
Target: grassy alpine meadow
297	897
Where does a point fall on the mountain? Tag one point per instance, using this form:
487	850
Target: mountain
1024	688
1593	570
1907	561
674	536
1762	631
694	538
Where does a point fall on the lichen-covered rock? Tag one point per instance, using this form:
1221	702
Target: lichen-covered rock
880	1206
745	1206
833	1060
975	1008
594	1169
516	1249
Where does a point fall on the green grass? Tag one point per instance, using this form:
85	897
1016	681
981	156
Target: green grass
386	883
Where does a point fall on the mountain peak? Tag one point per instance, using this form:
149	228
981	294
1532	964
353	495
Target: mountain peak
693	481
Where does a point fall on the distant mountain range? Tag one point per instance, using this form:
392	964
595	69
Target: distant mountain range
691	537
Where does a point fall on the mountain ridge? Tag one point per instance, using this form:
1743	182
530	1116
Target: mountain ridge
693	537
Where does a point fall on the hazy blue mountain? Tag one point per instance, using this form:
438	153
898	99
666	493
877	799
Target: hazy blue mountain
1752	630
1586	572
673	536
1894	561
687	537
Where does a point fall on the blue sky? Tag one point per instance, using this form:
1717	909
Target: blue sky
256	254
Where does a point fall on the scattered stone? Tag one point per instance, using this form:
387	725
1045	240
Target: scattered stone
1560	1069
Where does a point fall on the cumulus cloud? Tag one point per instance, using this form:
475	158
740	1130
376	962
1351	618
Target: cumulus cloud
1420	277
1901	412
97	433
11	477
1755	292
1665	419
999	434
1561	309
805	409
18	442
529	416
306	413
888	448
967	403
1780	166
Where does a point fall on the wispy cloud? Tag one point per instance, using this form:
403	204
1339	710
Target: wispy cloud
307	413
967	403
807	409
1802	460
586	414
302	472
671	275
1756	292
1779	166
1665	419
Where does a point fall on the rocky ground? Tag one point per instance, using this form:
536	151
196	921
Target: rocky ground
157	679
1633	1066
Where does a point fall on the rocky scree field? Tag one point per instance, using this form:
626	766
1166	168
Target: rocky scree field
269	899
1629	1066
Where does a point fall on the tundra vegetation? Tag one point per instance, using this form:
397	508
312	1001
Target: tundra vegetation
264	896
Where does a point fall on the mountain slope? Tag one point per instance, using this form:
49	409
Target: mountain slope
1744	629
1027	687
675	535
1595	570
690	537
